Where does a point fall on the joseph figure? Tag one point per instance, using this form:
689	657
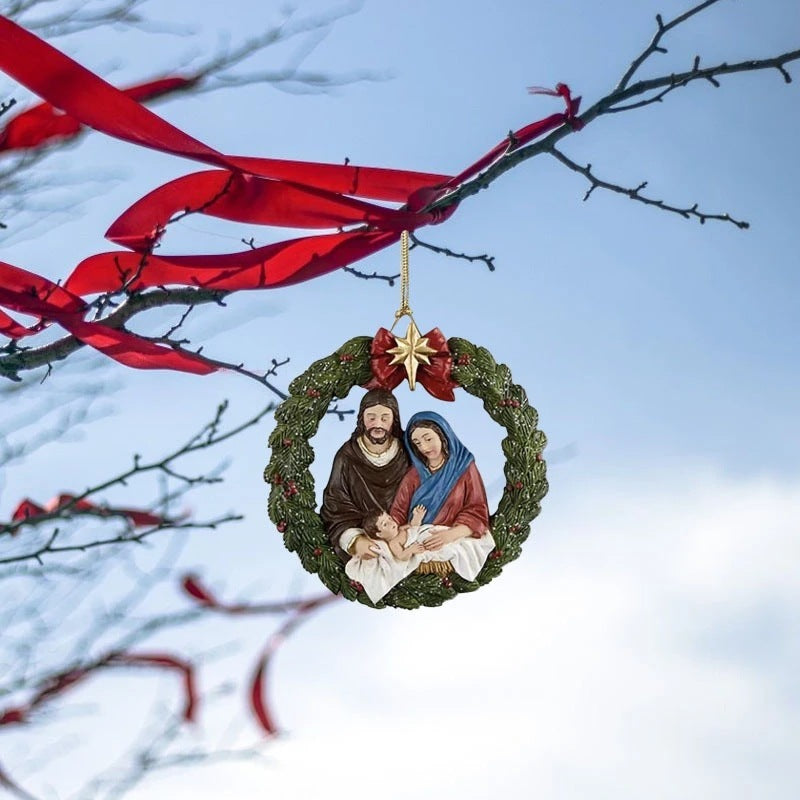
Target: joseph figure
366	472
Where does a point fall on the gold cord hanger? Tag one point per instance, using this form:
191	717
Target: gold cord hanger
412	349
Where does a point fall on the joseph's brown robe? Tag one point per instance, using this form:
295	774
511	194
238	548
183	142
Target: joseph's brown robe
357	488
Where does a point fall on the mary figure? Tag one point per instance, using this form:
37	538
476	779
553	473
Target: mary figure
444	479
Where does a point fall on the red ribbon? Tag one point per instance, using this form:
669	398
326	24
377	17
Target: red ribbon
245	189
43	123
434	377
59	683
264	267
29	293
527	134
27	509
300	610
165	661
258	701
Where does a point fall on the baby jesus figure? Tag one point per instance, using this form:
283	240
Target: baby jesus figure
382	526
400	549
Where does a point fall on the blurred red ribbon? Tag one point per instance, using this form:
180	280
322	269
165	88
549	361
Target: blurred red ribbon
58	684
165	661
300	610
258	701
27	509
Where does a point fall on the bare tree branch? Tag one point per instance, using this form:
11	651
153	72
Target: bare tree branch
155	749
215	73
50	547
609	104
152	754
75	17
210	435
617	101
17	359
390	279
446	251
73	411
655	43
635	194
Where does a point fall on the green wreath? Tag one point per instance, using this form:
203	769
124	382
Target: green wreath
292	500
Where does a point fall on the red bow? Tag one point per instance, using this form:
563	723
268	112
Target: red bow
435	377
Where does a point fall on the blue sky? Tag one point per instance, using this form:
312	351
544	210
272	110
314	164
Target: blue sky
645	640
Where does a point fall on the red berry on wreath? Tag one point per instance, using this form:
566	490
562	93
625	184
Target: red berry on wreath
282	525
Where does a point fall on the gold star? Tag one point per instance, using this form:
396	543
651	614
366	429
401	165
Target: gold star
411	351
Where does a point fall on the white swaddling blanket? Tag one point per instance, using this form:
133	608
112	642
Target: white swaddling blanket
378	575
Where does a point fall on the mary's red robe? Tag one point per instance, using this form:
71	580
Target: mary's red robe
465	505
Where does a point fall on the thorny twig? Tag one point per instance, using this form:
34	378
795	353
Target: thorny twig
655	43
390	279
635	194
651	90
486	259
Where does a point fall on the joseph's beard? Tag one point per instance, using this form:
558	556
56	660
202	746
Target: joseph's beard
377	435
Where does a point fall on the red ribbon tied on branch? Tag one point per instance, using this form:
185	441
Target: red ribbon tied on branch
435	376
253	190
27	509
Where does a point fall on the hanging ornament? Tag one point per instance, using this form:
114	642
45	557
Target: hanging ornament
404	519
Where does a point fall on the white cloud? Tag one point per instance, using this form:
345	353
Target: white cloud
594	667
